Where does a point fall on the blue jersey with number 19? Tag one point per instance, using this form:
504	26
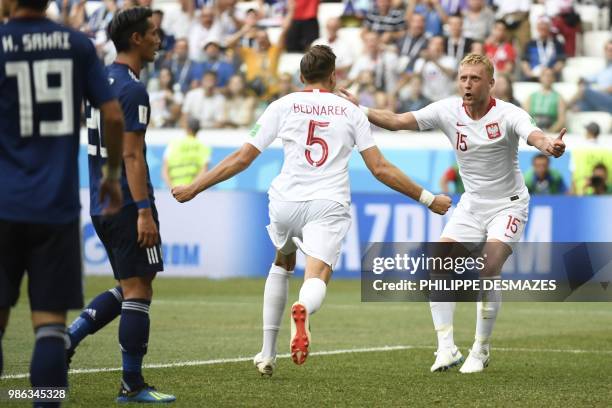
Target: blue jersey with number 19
46	70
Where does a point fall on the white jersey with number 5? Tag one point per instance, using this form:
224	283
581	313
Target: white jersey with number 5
318	130
486	149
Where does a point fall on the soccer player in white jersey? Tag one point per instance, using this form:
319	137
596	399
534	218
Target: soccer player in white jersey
310	199
485	134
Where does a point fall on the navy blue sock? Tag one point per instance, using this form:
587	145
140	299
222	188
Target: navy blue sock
48	367
134	338
1	359
98	313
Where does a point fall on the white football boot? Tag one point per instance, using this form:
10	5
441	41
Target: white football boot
446	358
265	365
477	360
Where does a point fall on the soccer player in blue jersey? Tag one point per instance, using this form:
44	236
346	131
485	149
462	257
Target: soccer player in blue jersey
131	238
46	70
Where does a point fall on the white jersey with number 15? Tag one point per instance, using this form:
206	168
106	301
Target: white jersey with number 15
486	149
318	130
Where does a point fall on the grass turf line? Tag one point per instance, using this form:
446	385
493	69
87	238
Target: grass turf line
197	319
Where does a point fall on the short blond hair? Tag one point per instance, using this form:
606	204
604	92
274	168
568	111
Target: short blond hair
473	59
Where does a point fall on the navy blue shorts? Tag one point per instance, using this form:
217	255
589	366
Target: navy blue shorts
119	235
51	256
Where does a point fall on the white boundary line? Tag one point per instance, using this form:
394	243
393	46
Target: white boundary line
316	353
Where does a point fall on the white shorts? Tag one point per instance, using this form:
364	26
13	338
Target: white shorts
321	225
478	219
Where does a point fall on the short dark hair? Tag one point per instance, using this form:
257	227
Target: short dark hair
318	63
540	156
601	166
126	23
39	5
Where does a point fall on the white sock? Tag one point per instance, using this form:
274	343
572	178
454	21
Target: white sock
442	314
486	314
312	294
276	292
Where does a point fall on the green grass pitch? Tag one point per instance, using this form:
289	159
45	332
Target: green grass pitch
543	354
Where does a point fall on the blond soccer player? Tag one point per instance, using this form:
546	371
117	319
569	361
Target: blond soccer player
484	133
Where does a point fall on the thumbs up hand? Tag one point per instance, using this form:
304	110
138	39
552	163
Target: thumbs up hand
556	147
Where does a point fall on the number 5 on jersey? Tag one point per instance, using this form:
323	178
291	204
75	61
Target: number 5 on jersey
314	140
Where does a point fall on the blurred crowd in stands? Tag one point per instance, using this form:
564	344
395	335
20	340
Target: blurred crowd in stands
222	61
219	63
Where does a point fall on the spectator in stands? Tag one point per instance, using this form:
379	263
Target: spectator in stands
546	106
454	7
379	60
251	19
215	62
304	27
592	133
366	91
516	16
541	179
164	100
598	183
342	48
413	43
204	103
478	20
568	24
262	60
354	12
186	157
545	52
433	12
451	176
499	50
167	40
239	105
456	44
178	21
437	70
230	17
386	21
285	86
203	30
411	98
595	92
180	65
477	48
503	89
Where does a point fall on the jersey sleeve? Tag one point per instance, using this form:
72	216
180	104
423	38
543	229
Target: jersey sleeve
136	109
266	129
429	117
97	89
521	123
363	131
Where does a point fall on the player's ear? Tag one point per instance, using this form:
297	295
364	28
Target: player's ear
302	79
136	38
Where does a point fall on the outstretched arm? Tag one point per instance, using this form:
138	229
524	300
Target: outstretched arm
227	168
551	147
385	118
394	178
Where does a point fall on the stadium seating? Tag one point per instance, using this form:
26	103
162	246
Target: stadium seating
576	121
567	90
594	43
290	63
581	67
522	90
